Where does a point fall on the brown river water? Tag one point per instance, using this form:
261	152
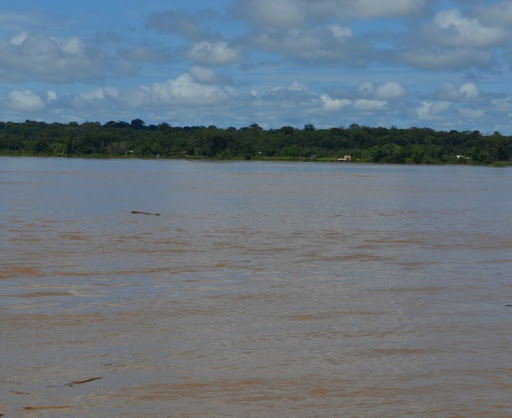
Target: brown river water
261	289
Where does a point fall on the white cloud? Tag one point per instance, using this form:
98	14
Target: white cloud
213	53
101	94
72	46
452	40
453	29
469	91
333	105
317	45
390	91
449	92
340	31
466	92
289	96
19	38
185	90
51	96
428	110
271	40
38	57
495	14
102	98
16	21
204	75
502	104
25	101
366	104
366	88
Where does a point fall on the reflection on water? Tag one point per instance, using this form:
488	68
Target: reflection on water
262	288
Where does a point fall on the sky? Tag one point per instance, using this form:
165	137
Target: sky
423	63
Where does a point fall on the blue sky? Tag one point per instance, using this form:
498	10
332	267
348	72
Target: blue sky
439	64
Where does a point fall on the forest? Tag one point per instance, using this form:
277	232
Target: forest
135	139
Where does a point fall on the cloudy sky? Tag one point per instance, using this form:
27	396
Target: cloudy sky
440	64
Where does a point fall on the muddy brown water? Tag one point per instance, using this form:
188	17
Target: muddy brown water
263	289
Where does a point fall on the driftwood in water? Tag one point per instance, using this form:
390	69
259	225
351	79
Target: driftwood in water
30	408
75	382
138	212
79	382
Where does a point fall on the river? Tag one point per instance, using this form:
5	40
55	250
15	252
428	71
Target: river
260	288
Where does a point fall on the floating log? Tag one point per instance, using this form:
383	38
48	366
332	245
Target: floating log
19	393
30	408
138	212
79	382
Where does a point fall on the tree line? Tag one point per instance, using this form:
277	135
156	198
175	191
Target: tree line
116	139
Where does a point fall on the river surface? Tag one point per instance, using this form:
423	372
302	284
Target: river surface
262	289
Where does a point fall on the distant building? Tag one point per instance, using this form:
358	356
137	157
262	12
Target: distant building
345	159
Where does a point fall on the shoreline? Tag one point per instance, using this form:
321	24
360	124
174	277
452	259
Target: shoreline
498	164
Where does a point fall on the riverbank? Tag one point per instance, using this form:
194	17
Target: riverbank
252	158
361	143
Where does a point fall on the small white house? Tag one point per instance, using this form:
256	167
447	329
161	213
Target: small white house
345	159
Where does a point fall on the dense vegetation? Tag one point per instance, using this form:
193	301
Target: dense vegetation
135	139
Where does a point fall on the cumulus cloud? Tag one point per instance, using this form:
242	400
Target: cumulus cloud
25	101
366	88
59	60
188	100
340	31
185	90
292	95
469	91
97	98
451	40
322	44
271	41
366	97
449	92
495	14
182	95
101	94
51	96
15	21
429	110
213	53
452	29
466	92
502	104
370	104
390	91
333	105
205	75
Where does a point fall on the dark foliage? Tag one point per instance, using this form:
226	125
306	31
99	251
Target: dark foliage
363	143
